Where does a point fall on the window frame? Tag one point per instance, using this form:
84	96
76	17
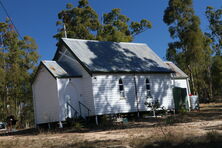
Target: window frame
148	88
121	88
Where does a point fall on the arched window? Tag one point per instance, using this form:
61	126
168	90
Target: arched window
121	88
148	93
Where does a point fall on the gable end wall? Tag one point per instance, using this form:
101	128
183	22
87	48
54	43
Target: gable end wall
45	97
86	80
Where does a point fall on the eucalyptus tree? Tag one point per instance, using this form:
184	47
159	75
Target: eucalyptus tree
190	49
18	60
118	27
215	25
214	17
82	22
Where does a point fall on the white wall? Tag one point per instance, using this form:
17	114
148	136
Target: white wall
180	83
69	87
45	97
107	98
161	90
86	80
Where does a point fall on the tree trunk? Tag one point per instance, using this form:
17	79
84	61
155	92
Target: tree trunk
193	89
210	83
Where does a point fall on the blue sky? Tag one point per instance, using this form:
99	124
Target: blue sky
37	18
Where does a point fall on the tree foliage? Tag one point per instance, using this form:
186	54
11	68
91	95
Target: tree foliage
117	27
190	49
18	59
215	26
217	75
82	22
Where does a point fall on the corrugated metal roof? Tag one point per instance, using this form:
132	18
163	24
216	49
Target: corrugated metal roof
178	72
56	70
99	56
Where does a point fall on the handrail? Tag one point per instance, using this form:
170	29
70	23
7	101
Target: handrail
73	108
83	106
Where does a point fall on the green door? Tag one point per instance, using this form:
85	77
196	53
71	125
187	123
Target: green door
180	98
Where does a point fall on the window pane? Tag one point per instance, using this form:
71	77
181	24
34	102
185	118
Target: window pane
121	87
147	81
148	93
120	81
147	86
122	93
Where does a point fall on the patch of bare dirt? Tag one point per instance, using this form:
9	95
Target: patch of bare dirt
197	123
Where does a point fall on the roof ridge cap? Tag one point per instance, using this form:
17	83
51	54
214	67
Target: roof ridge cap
84	40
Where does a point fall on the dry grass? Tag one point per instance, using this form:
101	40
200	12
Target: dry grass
211	139
190	130
53	142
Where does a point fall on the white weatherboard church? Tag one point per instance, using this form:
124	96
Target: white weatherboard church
91	78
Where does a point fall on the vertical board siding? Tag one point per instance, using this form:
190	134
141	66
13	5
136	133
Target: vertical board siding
73	88
45	98
160	88
181	83
86	80
107	96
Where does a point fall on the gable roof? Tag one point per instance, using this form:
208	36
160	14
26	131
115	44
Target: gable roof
101	56
57	71
178	72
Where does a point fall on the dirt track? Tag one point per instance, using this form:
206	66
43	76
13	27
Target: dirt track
192	124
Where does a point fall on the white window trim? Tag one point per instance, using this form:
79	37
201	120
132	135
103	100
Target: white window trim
148	91
121	92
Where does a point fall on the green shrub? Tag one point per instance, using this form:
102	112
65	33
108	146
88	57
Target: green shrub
182	110
78	125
